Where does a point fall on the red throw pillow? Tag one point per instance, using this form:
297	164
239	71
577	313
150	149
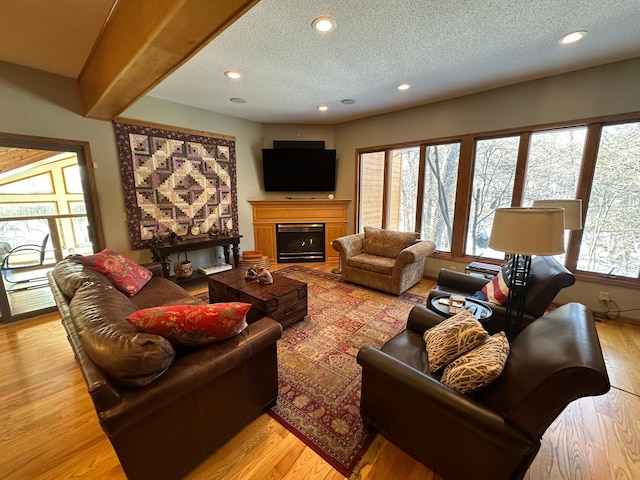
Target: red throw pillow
125	275
193	325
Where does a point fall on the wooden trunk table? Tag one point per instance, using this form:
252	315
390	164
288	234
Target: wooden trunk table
285	300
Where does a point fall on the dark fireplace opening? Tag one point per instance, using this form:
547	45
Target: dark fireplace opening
300	242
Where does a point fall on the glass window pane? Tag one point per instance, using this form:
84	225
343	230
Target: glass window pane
405	163
612	227
493	175
371	190
553	167
440	184
72	181
32	185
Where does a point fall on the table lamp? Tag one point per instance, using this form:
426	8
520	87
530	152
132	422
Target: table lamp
521	233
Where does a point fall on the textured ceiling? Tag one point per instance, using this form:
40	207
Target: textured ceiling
444	48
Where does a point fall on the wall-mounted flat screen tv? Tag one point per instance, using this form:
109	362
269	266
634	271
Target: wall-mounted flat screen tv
299	170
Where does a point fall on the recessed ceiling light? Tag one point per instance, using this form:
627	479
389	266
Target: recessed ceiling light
348	101
233	74
323	108
323	24
237	100
403	86
573	37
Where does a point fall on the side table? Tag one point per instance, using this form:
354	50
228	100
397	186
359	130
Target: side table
480	311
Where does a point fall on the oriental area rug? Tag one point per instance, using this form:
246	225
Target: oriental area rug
319	378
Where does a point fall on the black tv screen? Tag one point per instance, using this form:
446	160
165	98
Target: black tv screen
299	170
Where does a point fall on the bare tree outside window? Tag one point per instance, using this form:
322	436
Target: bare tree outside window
493	177
611	234
440	185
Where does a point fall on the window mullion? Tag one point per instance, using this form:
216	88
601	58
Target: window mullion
521	169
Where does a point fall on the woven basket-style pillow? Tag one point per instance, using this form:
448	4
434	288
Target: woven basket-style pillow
453	337
479	367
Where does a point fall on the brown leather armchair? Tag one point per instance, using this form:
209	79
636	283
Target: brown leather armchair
494	433
548	277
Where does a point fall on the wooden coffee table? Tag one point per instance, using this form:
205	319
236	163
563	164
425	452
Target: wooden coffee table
481	312
285	300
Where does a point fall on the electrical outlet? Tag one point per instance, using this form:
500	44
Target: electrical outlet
603	297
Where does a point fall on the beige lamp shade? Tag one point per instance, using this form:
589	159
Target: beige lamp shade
528	231
572	211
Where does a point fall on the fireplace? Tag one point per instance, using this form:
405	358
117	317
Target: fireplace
300	242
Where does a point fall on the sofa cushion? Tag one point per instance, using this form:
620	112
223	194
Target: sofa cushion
70	275
387	243
453	337
129	357
479	367
372	263
126	275
193	325
160	292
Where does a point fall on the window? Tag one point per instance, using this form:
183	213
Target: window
29	186
440	187
553	166
403	197
430	198
493	179
445	186
611	233
371	192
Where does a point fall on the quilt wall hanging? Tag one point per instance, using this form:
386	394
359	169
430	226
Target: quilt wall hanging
175	179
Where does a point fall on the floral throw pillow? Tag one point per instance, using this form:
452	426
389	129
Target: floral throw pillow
193	325
125	275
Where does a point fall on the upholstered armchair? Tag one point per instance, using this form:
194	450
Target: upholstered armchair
494	432
383	259
547	278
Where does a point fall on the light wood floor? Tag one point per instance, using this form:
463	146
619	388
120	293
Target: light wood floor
48	428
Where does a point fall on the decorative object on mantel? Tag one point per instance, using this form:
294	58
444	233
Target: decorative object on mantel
176	181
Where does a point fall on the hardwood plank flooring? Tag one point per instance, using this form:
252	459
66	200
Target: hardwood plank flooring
48	427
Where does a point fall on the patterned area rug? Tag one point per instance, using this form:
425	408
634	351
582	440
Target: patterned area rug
319	398
319	378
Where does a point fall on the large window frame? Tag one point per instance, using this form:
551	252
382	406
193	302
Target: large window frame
463	198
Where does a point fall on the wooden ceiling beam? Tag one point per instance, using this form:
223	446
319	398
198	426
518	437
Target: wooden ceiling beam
143	42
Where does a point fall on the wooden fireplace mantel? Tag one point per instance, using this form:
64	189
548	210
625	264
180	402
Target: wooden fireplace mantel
268	213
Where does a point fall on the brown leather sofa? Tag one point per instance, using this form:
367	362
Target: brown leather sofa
163	409
386	260
547	278
495	432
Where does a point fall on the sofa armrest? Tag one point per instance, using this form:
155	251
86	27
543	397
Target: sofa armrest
436	402
190	372
421	319
417	251
460	282
154	267
350	245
